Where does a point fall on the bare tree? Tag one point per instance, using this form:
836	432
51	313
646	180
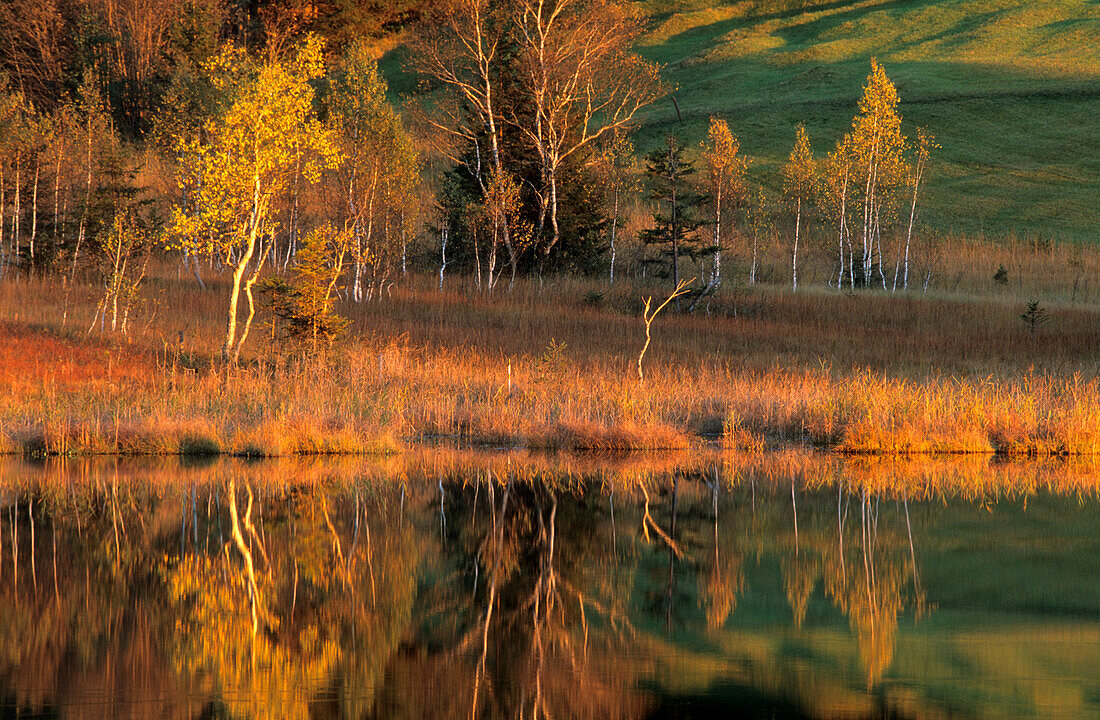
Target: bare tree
582	81
460	45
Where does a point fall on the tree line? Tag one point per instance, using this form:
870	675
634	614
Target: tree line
262	141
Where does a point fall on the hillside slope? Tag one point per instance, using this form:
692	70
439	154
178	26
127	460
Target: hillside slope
1011	88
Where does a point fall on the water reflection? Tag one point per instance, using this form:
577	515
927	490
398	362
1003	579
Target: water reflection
448	584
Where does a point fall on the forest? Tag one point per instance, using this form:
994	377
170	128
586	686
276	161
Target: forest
223	231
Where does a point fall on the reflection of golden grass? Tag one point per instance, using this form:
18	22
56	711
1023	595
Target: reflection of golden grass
972	477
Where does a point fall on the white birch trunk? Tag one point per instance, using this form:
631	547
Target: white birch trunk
614	233
34	207
794	259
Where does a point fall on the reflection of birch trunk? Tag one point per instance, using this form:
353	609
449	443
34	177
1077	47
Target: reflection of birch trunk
794	508
840	529
246	553
673	554
14	548
34	565
498	533
648	522
912	552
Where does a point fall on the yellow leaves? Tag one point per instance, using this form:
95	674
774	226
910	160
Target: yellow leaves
225	68
503	205
380	162
725	164
876	130
310	62
800	172
250	152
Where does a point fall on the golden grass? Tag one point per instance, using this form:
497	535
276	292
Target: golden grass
759	368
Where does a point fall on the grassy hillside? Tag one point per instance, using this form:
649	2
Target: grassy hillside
1010	87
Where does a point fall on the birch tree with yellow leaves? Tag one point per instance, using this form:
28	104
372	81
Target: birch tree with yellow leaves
243	159
378	172
837	184
876	147
725	166
926	143
799	183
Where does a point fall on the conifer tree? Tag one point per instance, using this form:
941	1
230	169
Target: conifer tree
676	212
305	302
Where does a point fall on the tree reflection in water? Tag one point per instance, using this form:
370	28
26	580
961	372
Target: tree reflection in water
461	586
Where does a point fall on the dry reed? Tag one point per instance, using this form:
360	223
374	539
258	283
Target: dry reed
759	367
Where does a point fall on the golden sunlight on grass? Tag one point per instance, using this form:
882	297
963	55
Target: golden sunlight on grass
553	366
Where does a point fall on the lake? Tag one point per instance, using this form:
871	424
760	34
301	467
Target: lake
462	584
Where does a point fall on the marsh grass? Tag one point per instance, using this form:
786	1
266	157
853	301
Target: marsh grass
943	372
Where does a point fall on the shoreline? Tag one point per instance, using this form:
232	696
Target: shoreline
387	446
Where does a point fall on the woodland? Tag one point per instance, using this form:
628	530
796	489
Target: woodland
223	231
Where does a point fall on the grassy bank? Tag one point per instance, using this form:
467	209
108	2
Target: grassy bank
553	365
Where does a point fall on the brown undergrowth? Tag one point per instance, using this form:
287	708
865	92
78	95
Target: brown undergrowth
551	365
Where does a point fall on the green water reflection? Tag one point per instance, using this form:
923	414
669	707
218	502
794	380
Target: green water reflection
458	586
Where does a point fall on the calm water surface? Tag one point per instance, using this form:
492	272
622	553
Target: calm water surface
456	585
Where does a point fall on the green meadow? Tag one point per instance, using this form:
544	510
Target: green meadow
1011	89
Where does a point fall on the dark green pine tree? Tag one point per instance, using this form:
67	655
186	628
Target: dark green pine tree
676	215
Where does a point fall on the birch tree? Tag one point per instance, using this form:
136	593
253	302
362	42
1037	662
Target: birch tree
11	123
837	184
926	143
243	159
461	46
377	176
799	182
615	169
582	82
122	256
500	209
876	145
725	168
761	225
